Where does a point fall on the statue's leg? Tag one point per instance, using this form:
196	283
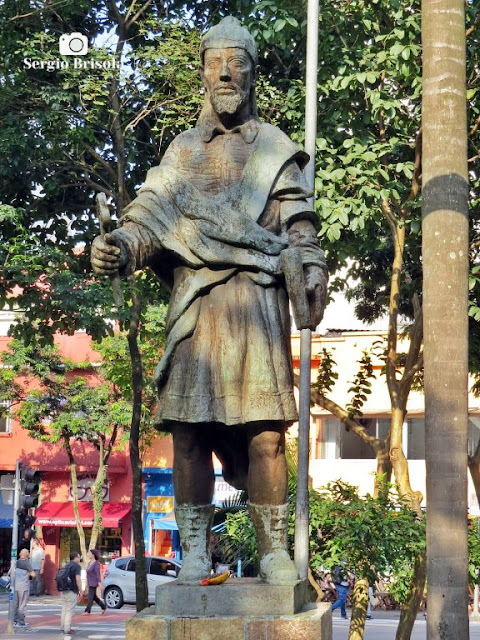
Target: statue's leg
267	489
267	471
193	483
193	475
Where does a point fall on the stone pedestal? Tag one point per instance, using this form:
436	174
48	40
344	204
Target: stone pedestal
314	623
236	597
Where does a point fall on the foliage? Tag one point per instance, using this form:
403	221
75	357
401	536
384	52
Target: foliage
239	541
55	404
116	365
371	535
327	375
474	551
361	385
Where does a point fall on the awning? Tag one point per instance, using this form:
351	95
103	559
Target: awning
6	514
60	514
167	523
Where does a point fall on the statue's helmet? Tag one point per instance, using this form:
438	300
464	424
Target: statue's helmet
229	33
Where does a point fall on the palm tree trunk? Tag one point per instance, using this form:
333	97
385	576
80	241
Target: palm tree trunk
445	294
359	613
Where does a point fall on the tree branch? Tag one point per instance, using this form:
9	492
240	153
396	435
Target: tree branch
99	187
416	178
398	238
106	165
414	361
131	21
339	412
474	129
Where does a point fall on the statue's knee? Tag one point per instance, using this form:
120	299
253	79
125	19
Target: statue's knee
267	445
187	445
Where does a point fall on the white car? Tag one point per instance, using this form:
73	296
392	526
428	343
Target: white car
119	580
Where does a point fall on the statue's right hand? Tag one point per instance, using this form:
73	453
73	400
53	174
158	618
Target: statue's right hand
106	255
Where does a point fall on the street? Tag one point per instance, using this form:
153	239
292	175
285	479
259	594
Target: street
43	614
384	625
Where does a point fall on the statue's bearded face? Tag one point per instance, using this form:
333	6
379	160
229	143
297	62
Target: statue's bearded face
228	78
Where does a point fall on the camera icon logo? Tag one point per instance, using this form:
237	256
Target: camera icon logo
73	44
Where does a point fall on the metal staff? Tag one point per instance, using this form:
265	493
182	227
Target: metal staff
103	214
302	502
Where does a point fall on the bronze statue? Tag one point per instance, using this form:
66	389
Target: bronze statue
211	220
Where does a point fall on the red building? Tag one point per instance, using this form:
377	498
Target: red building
54	517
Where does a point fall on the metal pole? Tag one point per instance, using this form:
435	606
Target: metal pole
302	501
311	91
13	561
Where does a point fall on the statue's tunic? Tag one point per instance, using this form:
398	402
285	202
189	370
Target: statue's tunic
224	200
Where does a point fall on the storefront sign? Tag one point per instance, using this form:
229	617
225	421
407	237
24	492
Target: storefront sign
223	491
159	504
84	489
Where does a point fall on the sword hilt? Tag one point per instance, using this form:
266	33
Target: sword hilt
292	267
105	220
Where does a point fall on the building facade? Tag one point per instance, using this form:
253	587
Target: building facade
55	522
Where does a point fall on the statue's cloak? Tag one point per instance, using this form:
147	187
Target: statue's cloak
227	359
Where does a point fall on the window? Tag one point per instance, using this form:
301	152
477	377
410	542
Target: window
416	438
132	565
352	447
5	421
327	443
334	441
121	564
161	568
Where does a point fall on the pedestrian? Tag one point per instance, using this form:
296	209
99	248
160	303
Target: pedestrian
94	581
341	581
369	607
23	573
71	595
37	557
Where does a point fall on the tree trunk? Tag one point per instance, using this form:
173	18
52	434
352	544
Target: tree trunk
399	461
359	611
78	521
97	490
384	466
137	498
408	614
445	293
314	584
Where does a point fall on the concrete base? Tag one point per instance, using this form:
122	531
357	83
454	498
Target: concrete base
315	623
242	597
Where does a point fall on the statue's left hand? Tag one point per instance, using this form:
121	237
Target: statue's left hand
316	280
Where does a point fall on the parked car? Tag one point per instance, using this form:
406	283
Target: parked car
119	579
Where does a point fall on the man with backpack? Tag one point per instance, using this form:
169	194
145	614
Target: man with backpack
341	580
70	586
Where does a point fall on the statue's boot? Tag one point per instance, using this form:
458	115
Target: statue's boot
194	525
271	526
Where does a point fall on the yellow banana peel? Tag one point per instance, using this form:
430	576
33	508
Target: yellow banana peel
216	579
